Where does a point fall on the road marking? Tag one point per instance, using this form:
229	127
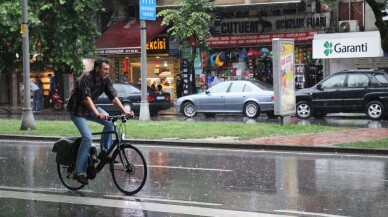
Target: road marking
162	200
190	168
54	190
154	207
308	213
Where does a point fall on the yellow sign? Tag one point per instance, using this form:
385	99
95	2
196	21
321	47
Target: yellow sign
287	83
23	29
157	44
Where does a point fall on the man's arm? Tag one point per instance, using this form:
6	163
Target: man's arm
92	107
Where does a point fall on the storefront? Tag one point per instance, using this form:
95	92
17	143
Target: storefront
121	44
241	48
352	50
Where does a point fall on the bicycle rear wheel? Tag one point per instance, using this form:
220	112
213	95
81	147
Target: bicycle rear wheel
129	173
65	174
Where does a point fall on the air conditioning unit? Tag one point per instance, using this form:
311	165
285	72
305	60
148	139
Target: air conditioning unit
311	7
348	26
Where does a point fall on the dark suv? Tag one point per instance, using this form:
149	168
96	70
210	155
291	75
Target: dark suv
350	91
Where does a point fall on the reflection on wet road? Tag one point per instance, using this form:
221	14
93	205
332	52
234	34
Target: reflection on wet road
186	181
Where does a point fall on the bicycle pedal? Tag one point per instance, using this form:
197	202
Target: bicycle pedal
94	159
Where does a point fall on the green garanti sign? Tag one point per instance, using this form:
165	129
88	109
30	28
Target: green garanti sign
346	47
340	48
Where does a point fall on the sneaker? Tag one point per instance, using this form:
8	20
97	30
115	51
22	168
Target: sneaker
93	154
81	178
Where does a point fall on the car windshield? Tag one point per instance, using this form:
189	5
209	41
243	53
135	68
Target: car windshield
262	85
125	89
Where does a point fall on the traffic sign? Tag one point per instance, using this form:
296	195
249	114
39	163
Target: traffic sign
147	9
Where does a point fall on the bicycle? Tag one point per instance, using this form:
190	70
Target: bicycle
127	165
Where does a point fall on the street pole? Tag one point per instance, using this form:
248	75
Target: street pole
144	110
28	122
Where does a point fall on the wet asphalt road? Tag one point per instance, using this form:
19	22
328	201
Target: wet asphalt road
186	181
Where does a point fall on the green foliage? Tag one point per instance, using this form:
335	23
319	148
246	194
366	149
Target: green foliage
189	19
61	32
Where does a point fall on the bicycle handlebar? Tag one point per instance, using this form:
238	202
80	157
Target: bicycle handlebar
115	118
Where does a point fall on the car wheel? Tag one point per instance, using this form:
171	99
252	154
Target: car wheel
303	110
375	110
127	106
189	110
251	110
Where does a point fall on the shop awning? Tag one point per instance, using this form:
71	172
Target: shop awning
123	37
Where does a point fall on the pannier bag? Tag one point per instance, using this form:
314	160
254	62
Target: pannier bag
67	150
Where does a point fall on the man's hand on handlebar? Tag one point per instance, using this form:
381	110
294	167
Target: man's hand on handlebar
102	116
130	113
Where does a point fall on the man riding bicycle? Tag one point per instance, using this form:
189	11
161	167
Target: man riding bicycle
88	87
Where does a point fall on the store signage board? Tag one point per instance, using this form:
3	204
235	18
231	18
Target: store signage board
262	39
347	45
123	50
283	75
147	9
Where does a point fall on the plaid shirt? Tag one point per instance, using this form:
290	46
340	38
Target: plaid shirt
86	85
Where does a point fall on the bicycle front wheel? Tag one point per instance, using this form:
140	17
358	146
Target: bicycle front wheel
65	174
129	169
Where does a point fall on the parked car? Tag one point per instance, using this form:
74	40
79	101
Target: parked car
350	91
130	97
248	97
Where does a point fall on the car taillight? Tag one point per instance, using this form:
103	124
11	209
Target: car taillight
150	99
273	98
168	98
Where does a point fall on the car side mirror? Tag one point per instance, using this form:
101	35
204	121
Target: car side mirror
319	87
207	91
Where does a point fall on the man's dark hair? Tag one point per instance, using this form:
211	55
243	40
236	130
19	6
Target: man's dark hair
99	62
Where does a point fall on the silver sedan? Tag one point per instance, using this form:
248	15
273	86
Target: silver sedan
248	97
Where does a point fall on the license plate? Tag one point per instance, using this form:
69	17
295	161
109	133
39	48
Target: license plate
160	97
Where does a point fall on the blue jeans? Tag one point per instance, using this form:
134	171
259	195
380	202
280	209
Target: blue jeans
37	101
87	138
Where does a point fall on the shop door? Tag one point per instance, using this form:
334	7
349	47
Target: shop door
136	74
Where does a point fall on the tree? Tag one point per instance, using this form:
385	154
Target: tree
377	6
189	20
68	32
62	32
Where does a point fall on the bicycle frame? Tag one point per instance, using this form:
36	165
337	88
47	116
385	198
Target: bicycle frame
116	143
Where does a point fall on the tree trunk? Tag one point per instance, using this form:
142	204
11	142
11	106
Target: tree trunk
381	25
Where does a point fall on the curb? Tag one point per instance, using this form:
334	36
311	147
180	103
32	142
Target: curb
223	145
